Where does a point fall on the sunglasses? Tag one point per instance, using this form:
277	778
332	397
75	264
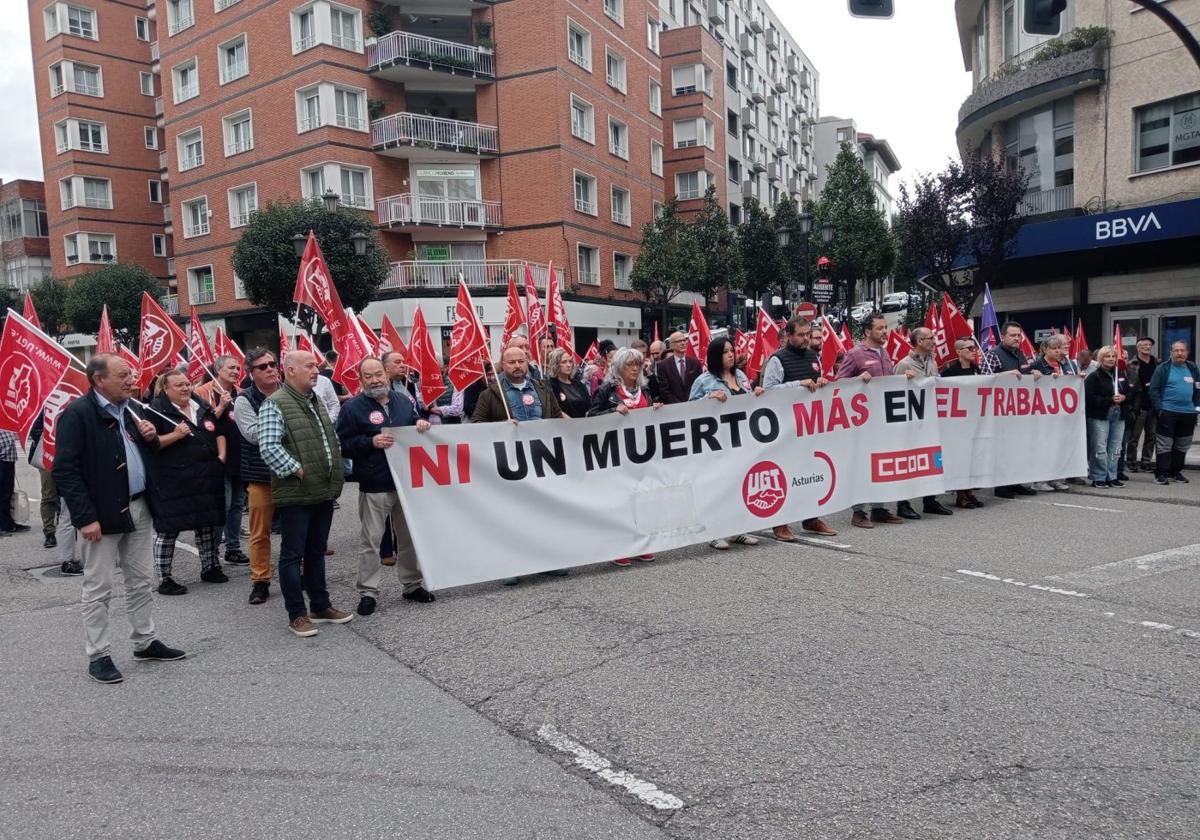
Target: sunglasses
264	366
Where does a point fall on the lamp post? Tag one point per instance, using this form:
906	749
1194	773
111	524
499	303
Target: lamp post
802	228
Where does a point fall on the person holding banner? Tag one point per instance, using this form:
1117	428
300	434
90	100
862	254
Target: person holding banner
567	384
920	363
964	365
100	468
188	491
360	430
264	381
1007	357
298	442
1055	361
1104	395
625	386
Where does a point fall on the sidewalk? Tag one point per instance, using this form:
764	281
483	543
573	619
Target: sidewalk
256	734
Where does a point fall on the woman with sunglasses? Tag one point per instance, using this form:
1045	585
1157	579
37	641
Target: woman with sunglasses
965	365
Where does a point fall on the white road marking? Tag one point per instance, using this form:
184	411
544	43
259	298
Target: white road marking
1134	568
1011	582
827	543
1068	505
1156	625
593	762
190	549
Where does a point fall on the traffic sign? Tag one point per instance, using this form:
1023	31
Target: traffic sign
806	310
822	291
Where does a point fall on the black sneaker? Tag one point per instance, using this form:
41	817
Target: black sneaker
1004	493
156	651
1022	490
1117	483
1158	479
366	605
1122	476
103	670
214	575
1180	477
170	587
51	541
234	557
1100	485
421	595
18	529
71	568
259	592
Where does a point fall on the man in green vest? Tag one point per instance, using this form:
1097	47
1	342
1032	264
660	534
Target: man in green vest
299	445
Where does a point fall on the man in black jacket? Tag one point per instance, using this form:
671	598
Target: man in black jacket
101	472
1007	357
360	430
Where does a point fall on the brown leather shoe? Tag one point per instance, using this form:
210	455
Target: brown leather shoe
331	616
816	526
302	626
861	520
962	499
783	533
387	561
886	517
329	552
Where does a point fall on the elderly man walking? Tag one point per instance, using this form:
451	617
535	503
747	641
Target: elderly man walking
100	468
360	430
298	443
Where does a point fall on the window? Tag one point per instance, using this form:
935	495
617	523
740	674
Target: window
158	242
579	45
345	29
655	98
693	132
656	208
186	81
652	34
349	108
304	29
154	188
151	136
195	218
690	78
239	133
620	206
731	75
656	158
93	192
146	82
141	28
308	106
735	214
582	120
614	69
23	217
73	77
355	192
589	265
843	135
81	22
1167	133
22	272
618	138
222	5
1041	143
234	59
201	288
243	202
585	193
312	182
688	185
615	9
80	135
621	266
981	42
239	288
90	247
352	182
734	167
180	16
191	149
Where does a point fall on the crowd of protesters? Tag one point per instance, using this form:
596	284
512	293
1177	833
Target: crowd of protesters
279	440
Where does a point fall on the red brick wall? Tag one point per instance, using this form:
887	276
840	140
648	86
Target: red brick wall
688	46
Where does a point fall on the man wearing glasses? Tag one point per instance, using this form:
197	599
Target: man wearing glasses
264	381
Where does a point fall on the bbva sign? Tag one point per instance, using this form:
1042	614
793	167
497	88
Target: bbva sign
1124	226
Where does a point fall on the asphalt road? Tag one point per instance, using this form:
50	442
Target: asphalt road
1028	670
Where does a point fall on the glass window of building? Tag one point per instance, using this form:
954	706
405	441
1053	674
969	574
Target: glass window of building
1041	144
1167	133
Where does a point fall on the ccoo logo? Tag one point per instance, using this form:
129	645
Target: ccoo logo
764	489
906	463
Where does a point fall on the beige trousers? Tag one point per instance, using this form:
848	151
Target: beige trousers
374	511
133	554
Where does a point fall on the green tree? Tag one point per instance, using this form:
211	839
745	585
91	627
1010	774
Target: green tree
120	286
8	300
265	259
861	249
718	244
759	245
50	301
792	259
669	261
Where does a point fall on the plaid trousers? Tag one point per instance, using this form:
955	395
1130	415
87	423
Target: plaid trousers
207	542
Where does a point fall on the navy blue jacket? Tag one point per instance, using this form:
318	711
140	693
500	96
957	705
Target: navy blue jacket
359	421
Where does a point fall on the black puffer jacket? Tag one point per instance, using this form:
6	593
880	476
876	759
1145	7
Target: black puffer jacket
1098	392
189	478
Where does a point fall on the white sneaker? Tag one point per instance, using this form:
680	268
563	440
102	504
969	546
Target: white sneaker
721	544
745	539
1060	485
1043	487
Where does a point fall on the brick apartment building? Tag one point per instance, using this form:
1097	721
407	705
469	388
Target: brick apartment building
24	234
480	137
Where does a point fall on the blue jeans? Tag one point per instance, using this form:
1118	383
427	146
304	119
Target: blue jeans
1105	437
235	500
305	533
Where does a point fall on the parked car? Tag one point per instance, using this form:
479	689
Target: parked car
895	302
861	310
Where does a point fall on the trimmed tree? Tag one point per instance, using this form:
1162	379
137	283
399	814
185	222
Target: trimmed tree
120	286
266	262
759	245
50	300
718	244
669	261
792	259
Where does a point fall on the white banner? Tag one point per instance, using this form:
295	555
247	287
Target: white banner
501	500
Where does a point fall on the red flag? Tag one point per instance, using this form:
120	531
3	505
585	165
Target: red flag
30	314
303	342
31	366
1027	346
831	345
942	354
1119	346
954	322
468	342
159	340
74	384
766	342
557	313
199	351
131	359
223	345
390	341
593	353
897	347
1066	331
847	338
425	359
285	345
741	343
656	338
536	320
514	315
698	335
351	346
1080	338
315	289
105	343
369	335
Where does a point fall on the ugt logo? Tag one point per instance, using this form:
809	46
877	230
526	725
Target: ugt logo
317	282
154	338
764	489
20	385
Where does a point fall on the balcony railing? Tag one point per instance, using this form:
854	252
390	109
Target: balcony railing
207	294
434	133
237	147
180	23
234	70
191	229
355	200
154	51
476	274
406	48
1047	201
190	162
186	92
351	121
170	304
409	209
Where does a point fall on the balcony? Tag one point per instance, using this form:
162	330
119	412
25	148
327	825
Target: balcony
154	51
773	106
179	24
404	57
746	44
191	162
1057	200
773	39
716	14
476	274
410	210
170	304
419	137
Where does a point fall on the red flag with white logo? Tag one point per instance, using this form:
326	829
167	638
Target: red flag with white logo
557	313
369	335
831	345
514	315
74	384
30	313
536	317
1066	331
352	345
390	341
159	341
468	342
223	345
846	338
593	353
31	366
897	347
1080	338
315	289
303	342
199	350
1027	346
105	343
425	359
954	322
942	354
131	359
698	335
766	342
743	343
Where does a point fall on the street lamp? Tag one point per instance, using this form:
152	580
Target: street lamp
361	241
299	240
330	199
802	228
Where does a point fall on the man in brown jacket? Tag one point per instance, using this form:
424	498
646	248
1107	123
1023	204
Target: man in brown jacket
527	398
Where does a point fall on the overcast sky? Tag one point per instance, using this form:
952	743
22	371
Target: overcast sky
900	79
